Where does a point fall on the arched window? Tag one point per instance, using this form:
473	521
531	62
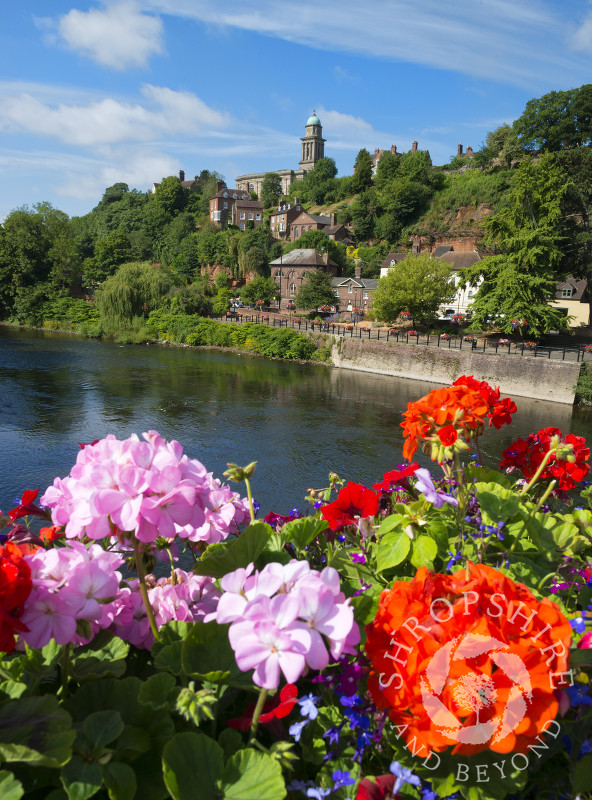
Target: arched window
278	274
292	289
296	232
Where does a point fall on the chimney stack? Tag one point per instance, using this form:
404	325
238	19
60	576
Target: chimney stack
470	153
326	258
394	149
333	218
414	147
219	186
181	175
358	271
459	151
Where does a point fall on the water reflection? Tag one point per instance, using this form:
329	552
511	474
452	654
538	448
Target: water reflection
299	421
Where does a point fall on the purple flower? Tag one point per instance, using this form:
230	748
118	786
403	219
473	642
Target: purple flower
586	747
295	730
358	558
308	706
342	778
579	696
425	485
578	624
332	734
403	776
317	792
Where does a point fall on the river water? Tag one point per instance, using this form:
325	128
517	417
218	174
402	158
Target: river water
299	421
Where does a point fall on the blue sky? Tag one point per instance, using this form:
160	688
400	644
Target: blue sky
95	93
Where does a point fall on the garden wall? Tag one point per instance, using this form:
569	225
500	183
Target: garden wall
523	376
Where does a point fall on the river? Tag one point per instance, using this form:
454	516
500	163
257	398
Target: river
298	421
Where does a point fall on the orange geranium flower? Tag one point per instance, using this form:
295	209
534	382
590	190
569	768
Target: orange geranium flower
460	409
470	661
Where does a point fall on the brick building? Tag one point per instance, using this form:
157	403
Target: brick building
281	220
221	204
290	270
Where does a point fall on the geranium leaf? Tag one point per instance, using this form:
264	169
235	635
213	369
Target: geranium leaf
225	557
192	761
304	530
98	660
120	780
207	654
81	779
424	552
250	775
35	730
10	788
393	549
102	727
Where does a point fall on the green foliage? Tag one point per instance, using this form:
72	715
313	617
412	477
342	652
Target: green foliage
418	284
263	289
557	120
316	291
362	171
520	281
271	189
133	291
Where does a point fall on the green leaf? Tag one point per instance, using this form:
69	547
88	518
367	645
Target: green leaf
230	741
424	552
159	691
207	654
390	524
98	660
393	549
120	780
81	779
220	559
102	727
250	775
37	731
191	762
301	532
10	788
497	503
13	689
132	743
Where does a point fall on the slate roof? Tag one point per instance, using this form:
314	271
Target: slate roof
302	257
441	249
578	289
462	260
396	257
363	283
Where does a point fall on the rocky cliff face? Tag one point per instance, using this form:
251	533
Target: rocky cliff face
461	229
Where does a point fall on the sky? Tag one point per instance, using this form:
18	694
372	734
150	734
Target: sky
109	91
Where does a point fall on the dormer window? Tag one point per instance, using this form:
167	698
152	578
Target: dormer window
234	195
225	194
567	291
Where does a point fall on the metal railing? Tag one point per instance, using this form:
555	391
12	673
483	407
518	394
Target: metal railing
443	340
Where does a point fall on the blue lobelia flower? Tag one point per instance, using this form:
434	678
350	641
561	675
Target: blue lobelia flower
342	778
308	706
403	776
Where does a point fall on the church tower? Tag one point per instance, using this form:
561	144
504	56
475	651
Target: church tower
313	144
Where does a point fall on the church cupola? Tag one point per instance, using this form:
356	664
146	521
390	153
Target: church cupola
313	144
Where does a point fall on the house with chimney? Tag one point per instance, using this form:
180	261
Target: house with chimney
290	269
223	211
354	292
281	220
191	185
316	222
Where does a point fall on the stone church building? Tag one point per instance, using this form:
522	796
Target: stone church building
313	149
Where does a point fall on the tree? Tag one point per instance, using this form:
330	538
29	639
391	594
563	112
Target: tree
418	284
362	171
316	291
503	143
576	166
171	196
271	189
387	169
263	289
557	120
519	282
134	290
319	182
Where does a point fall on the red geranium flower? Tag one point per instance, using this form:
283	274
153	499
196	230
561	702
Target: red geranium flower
277	707
27	508
381	788
528	454
52	533
15	587
396	477
353	502
447	435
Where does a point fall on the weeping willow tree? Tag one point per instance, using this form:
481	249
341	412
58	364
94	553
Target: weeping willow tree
125	299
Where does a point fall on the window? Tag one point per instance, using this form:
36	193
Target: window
336	292
257	216
278	274
242	214
242	226
234	195
365	295
296	232
470	293
350	289
225	204
567	291
297	208
217	215
292	289
251	216
225	194
393	262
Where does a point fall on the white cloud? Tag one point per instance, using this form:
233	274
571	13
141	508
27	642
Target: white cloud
520	43
109	121
341	75
582	37
119	35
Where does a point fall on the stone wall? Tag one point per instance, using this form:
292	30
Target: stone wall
522	376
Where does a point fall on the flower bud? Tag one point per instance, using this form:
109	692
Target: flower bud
240	474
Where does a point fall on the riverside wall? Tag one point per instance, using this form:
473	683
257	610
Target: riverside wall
523	376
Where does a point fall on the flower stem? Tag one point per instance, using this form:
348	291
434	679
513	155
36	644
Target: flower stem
144	590
540	502
65	670
257	713
250	496
539	472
